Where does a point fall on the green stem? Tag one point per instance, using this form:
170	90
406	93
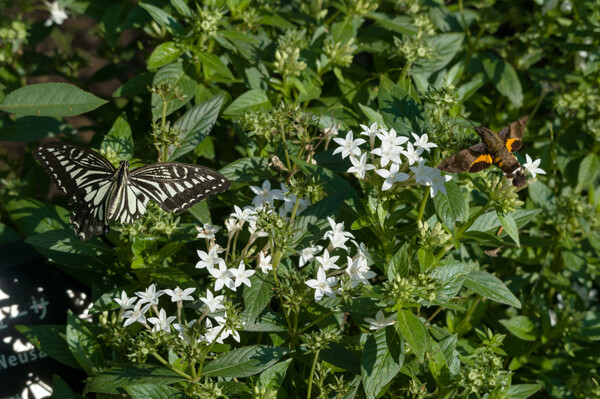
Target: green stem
285	150
421	212
164	362
312	373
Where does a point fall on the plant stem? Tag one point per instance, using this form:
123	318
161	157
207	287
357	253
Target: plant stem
312	373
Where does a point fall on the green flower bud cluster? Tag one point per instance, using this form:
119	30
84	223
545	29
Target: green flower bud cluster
432	238
208	20
317	340
340	54
413	49
409	6
15	32
441	100
579	99
502	194
287	63
361	7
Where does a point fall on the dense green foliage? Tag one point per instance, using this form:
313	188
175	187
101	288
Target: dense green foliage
488	290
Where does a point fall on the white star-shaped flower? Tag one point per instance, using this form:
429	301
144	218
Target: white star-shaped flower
125	302
348	146
327	262
422	142
180	295
264	262
422	173
57	13
207	231
437	181
308	254
359	271
264	195
322	285
209	259
337	236
391	176
380	321
162	322
532	166
149	296
388	152
360	166
370	131
213	303
137	314
222	277
240	275
411	154
391	138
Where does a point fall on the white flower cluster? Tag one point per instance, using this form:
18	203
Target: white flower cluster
134	309
265	195
389	163
356	267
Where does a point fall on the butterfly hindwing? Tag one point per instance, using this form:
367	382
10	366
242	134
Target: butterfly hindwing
177	186
513	134
465	159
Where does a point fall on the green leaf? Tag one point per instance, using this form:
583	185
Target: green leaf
452	208
489	220
510	226
426	259
64	240
521	327
257	296
312	223
339	356
588	170
244	362
372	115
522	391
382	359
250	101
399	263
50	99
249	169
119	138
163	54
138	85
32	216
32	128
504	77
444	47
400	111
52	340
201	212
149	390
113	380
182	8
195	125
489	286
273	377
60	389
175	75
83	345
214	67
163	19
414	331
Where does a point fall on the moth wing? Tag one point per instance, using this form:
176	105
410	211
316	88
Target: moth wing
463	160
513	134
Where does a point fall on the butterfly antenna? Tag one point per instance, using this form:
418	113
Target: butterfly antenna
468	121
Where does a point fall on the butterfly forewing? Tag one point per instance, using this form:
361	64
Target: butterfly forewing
71	167
177	186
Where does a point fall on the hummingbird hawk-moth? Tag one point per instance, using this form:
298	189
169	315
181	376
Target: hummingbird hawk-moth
495	148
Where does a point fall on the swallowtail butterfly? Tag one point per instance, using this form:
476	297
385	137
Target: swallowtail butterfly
103	192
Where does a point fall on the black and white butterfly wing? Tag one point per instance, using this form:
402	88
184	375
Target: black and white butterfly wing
176	186
85	176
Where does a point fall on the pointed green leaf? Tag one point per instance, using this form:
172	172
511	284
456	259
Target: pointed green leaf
214	66
52	340
382	359
510	226
163	19
489	286
50	99
588	170
175	75
163	54
521	326
399	263
250	101
414	331
83	345
504	77
244	362
119	138
113	380
195	125
452	208
257	296
399	109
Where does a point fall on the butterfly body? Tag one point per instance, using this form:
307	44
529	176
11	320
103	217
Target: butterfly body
103	193
495	148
